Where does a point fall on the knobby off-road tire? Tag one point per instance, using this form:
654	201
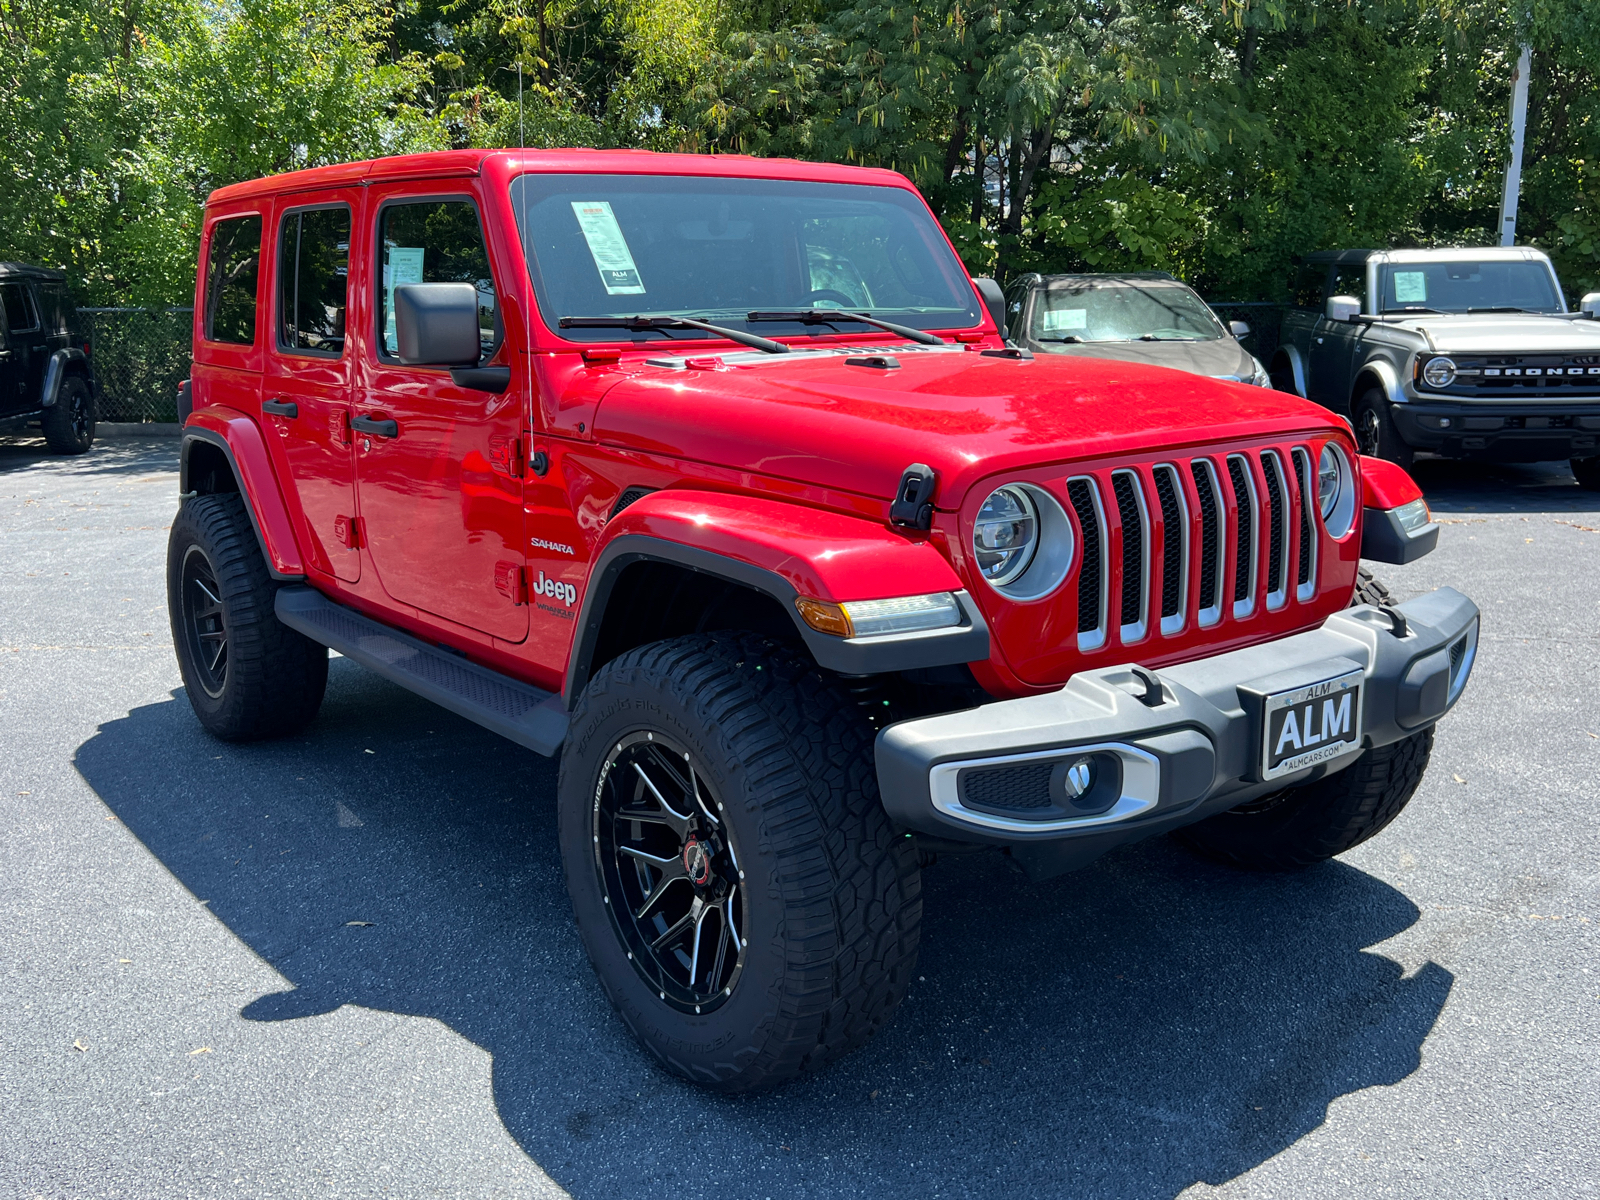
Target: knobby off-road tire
247	674
1302	826
1376	433
68	424
829	900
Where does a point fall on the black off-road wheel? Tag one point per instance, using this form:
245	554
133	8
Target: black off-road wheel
69	423
737	885
1301	826
1376	433
248	676
1587	473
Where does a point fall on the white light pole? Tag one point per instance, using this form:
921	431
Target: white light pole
1519	125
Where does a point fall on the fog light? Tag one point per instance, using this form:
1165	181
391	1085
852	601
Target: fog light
1078	778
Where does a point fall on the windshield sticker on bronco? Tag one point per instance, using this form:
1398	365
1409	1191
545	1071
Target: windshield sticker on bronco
1410	287
608	247
1065	318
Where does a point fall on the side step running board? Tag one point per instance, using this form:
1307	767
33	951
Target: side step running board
527	715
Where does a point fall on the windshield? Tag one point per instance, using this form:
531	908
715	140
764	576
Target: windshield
1457	287
1121	310
720	249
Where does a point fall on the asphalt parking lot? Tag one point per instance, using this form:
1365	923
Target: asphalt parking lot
343	964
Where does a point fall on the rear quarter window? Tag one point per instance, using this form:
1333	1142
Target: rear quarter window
233	268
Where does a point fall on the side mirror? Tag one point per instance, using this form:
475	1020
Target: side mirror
436	324
1589	306
1239	329
993	299
1343	308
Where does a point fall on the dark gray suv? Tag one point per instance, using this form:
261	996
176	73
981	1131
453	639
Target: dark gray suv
1146	317
45	375
1465	353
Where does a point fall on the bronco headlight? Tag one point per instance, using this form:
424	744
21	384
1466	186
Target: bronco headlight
1439	372
1005	537
1336	499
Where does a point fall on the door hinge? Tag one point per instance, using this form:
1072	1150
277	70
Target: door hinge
511	581
350	532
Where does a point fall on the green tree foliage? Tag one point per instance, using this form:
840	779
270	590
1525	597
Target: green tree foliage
1217	139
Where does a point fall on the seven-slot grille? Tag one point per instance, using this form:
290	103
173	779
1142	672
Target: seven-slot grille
1243	515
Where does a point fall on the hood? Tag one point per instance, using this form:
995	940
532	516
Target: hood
817	419
1511	333
1216	357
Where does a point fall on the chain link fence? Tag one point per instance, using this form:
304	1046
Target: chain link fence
140	357
1264	318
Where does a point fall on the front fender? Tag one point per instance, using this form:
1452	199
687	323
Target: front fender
786	551
1297	367
1386	377
239	439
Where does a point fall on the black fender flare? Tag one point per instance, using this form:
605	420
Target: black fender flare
967	642
56	370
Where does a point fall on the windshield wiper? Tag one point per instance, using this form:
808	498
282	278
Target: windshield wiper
660	324
1161	337
828	316
1406	312
1068	338
1508	308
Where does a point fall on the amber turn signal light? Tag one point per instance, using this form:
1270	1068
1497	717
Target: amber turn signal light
824	617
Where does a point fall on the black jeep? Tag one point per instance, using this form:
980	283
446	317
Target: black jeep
45	376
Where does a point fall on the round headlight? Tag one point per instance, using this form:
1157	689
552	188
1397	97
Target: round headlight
1005	536
1330	478
1336	498
1439	372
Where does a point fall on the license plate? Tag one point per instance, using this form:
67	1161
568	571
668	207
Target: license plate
1311	725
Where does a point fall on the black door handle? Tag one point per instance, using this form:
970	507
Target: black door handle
281	408
376	426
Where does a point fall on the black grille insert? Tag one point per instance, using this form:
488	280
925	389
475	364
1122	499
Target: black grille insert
1275	522
1009	789
1123	485
1303	572
1246	539
1210	535
1172	536
1081	493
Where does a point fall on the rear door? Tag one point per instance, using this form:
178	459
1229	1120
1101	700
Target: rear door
440	488
307	382
227	358
22	363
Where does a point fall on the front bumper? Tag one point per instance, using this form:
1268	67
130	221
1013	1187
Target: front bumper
1191	749
1505	431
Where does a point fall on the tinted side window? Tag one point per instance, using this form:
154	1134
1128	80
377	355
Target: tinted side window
1308	283
1350	279
434	241
20	313
313	280
231	280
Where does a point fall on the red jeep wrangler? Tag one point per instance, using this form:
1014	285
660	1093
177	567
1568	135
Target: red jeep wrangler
716	477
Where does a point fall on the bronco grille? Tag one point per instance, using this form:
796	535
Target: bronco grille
1246	517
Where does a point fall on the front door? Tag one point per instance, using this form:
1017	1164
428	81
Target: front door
1333	344
438	465
306	387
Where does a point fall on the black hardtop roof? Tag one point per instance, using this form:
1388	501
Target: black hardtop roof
15	270
1344	256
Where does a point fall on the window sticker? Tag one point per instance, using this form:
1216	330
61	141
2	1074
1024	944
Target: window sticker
1410	287
401	264
608	247
1065	318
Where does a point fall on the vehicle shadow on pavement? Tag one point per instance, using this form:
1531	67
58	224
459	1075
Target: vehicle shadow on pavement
119	456
1468	487
1129	1030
